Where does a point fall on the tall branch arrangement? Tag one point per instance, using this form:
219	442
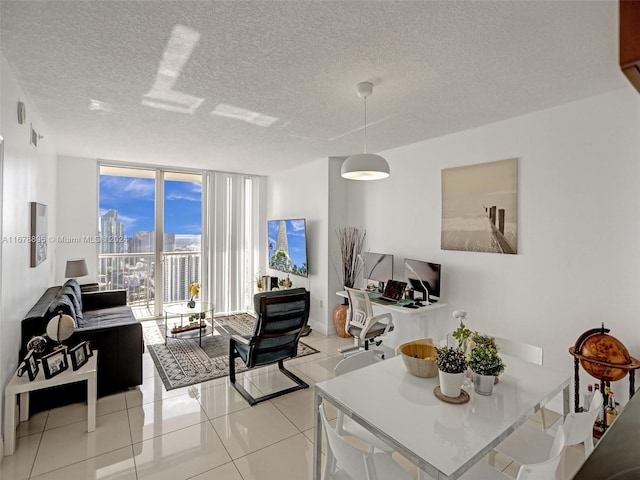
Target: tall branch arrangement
351	245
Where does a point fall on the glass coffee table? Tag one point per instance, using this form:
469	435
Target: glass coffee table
193	322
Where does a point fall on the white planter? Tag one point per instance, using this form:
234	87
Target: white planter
483	384
450	383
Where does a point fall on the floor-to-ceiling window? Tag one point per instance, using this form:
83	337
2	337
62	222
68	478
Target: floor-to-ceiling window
150	223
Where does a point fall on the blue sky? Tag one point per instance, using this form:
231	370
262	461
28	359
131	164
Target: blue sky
134	199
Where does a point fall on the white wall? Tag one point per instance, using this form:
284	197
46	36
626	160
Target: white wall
28	176
77	221
578	261
302	193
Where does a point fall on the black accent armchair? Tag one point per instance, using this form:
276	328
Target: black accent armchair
282	316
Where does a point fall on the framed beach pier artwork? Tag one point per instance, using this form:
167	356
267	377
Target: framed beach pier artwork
480	206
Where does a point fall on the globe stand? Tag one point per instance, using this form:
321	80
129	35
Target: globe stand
606	373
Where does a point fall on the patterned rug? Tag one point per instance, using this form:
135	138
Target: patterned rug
182	362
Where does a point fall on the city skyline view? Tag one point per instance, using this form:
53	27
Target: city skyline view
128	258
134	201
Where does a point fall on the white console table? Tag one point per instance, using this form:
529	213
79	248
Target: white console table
22	386
413	323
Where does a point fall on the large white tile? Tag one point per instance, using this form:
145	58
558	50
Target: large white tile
148	368
181	454
153	390
253	428
116	465
35	424
18	466
72	443
223	399
77	412
271	381
164	416
328	345
228	471
297	407
320	370
291	459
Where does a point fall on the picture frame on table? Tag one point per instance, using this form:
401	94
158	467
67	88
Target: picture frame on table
55	363
29	365
80	355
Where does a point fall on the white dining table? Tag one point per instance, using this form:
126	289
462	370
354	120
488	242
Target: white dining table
443	439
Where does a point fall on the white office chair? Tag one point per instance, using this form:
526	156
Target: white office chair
344	461
527	443
346	426
527	352
362	324
542	470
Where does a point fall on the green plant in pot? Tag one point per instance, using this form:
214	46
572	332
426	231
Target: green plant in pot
351	240
486	365
451	366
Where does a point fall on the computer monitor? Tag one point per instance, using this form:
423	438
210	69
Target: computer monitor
418	273
377	267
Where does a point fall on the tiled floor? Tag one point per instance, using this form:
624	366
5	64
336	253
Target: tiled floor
205	431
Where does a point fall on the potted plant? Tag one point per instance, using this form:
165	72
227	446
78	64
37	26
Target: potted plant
351	241
462	333
451	366
486	364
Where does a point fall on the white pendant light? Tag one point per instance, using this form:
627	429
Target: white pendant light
365	166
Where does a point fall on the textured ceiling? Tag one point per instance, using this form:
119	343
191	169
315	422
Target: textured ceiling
261	86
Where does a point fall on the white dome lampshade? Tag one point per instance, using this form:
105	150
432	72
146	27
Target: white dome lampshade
365	166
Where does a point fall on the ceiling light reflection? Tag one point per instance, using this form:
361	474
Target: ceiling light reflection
175	56
237	113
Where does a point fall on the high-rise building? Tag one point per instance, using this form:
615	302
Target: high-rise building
142	242
179	271
111	233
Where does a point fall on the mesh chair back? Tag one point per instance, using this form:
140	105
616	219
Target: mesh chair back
359	307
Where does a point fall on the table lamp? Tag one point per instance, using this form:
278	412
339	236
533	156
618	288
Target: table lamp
76	267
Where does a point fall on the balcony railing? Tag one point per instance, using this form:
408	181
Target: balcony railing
135	272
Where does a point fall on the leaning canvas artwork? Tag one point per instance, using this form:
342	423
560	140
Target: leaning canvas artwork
479	207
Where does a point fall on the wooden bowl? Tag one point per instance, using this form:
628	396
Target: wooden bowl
419	357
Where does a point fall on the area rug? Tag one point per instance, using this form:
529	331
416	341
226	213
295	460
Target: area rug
182	362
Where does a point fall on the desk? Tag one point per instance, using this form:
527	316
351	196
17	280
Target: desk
444	440
413	323
22	386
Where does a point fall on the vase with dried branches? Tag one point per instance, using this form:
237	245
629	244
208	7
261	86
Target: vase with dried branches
351	245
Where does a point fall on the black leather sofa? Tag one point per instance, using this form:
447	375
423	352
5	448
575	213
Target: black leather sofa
104	319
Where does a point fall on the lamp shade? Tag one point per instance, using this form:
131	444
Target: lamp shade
365	166
76	268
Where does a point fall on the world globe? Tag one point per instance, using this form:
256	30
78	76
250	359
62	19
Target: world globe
600	353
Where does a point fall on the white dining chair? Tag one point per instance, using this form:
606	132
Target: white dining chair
344	461
526	352
346	426
528	443
540	470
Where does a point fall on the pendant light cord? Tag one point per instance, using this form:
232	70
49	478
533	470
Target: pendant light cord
365	124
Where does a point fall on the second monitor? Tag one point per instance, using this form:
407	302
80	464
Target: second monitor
378	267
420	275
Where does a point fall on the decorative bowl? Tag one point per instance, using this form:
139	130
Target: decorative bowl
419	357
